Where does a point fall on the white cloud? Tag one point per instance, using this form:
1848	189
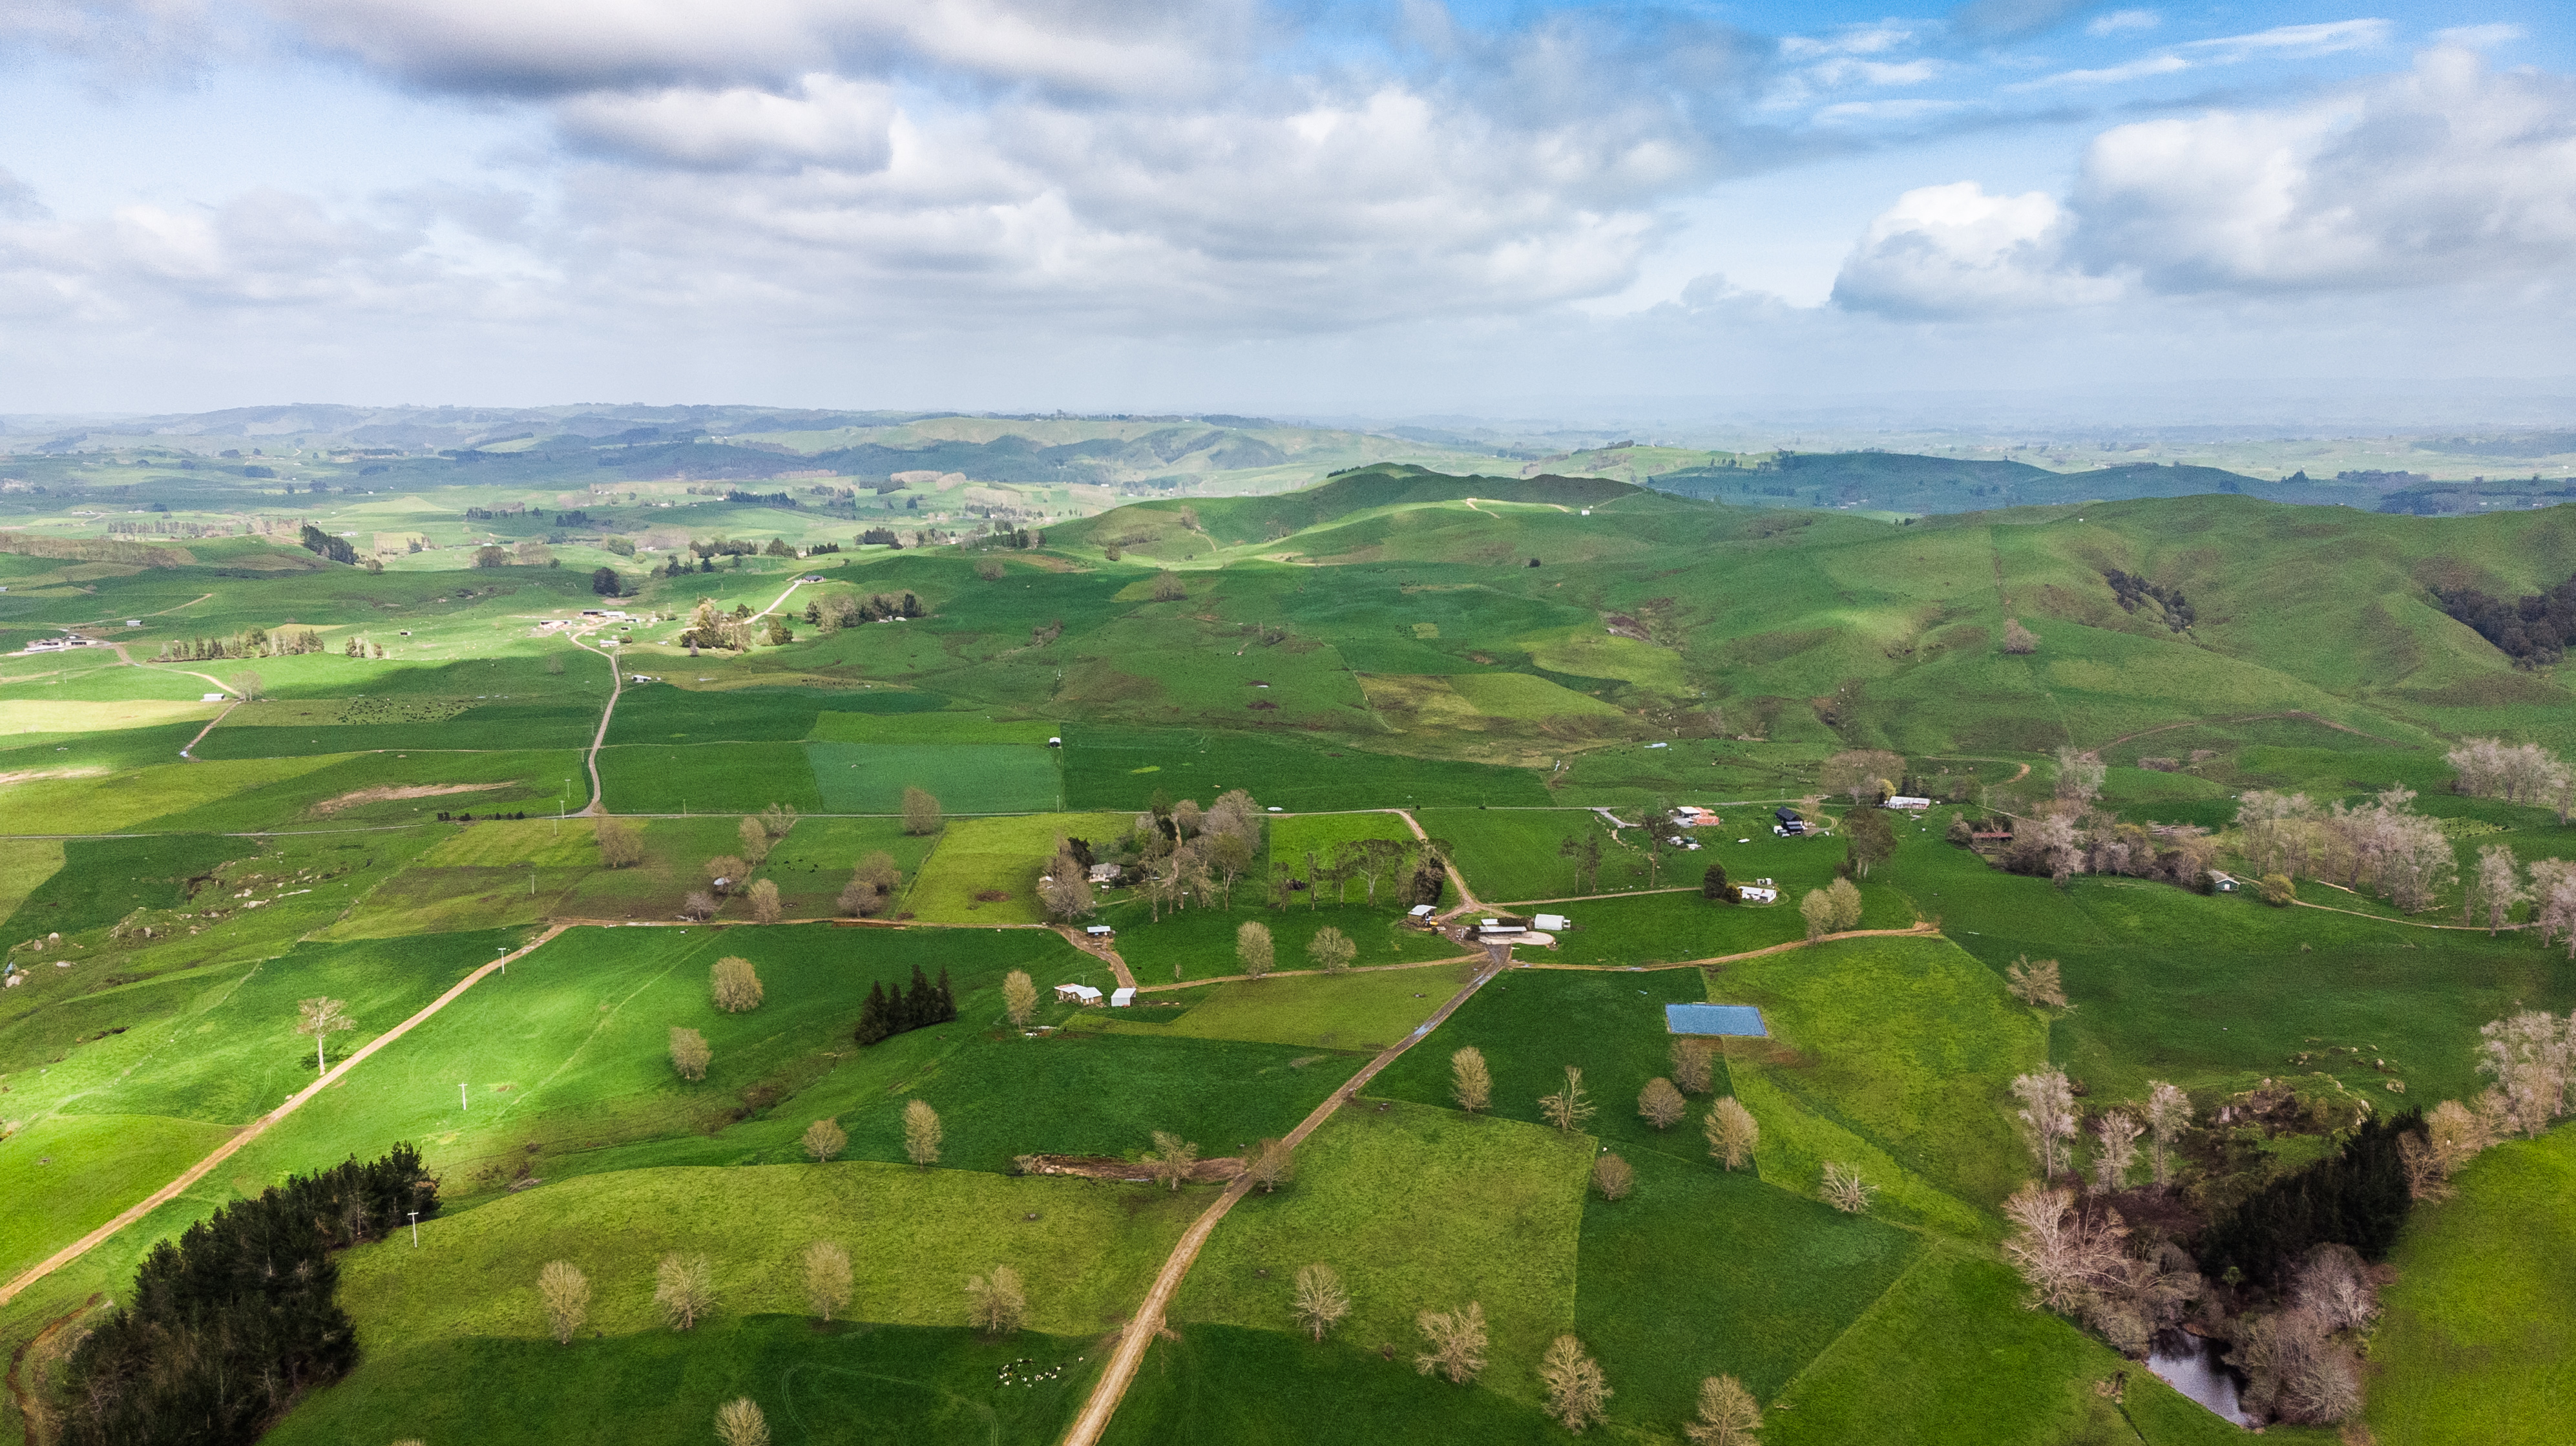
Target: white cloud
2284	42
1875	39
2446	172
828	121
2121	21
1954	250
2481	37
1855	111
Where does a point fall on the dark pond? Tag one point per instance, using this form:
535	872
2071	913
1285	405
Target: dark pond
2197	1368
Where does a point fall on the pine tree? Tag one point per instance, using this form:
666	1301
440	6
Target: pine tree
873	1024
947	997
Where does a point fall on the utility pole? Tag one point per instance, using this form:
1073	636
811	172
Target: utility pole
415	1230
460	1097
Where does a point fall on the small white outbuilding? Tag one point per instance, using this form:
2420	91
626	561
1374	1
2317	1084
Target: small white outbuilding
1548	923
1121	998
1076	994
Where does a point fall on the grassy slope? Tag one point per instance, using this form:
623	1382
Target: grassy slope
2476	1343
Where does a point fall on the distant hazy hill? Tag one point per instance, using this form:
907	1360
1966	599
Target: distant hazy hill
1902	482
1235	521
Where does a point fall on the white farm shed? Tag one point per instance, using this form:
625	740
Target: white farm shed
1756	894
1548	923
1076	994
1121	998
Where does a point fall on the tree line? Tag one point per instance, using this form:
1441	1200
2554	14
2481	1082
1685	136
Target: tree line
231	1324
2533	630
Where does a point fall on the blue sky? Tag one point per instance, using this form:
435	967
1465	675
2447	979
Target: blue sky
1347	207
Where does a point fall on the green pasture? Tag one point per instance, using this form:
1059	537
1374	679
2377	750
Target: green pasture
966	778
1273	1388
1954	1330
26	864
1532	1023
1701	1272
1108	767
1418	1209
718	777
913	1237
1365	1010
1674	926
347	790
977	855
2220	989
1511	853
161	797
2476	1342
1199	943
1895	1056
841	1386
35	755
85	883
66	1175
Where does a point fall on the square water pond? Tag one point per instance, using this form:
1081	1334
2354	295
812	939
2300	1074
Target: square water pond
1741	1019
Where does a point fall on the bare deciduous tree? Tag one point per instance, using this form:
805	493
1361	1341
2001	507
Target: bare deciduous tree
777	819
725	872
1846	901
1064	887
1470	1083
683	1289
1659	1104
827	1278
823	1139
697	904
1865	775
921	1133
1331	949
872	886
1271	1165
739	1423
2532	1058
2456	1136
765	908
755	840
995	1303
1845	1190
1457	1342
1567	1109
920	812
1172	1158
620	846
689	1053
2036	985
1693	1065
1817	908
1728	1414
735	984
1252	948
1732	1133
2047	1118
1576	1393
1613	1177
1320	1302
1019	997
2495	886
2019	639
2168	1115
2080	773
2115	1149
322	1018
566	1294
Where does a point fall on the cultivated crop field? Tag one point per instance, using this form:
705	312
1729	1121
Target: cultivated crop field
760	993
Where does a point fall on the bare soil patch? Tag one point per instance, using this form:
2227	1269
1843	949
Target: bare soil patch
390	792
30	775
1110	1167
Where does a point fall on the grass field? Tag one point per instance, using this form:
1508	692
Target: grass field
1199	943
976	855
1898	1051
68	1174
2476	1342
965	778
1363	1011
1210	1381
1379	1196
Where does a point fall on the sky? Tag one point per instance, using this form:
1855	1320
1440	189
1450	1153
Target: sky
1322	206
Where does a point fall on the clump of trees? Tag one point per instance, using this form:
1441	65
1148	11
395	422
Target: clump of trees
2533	630
2383	847
872	886
236	1320
2525	773
1867	776
1831	910
2019	640
1064	885
889	1012
2131	590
